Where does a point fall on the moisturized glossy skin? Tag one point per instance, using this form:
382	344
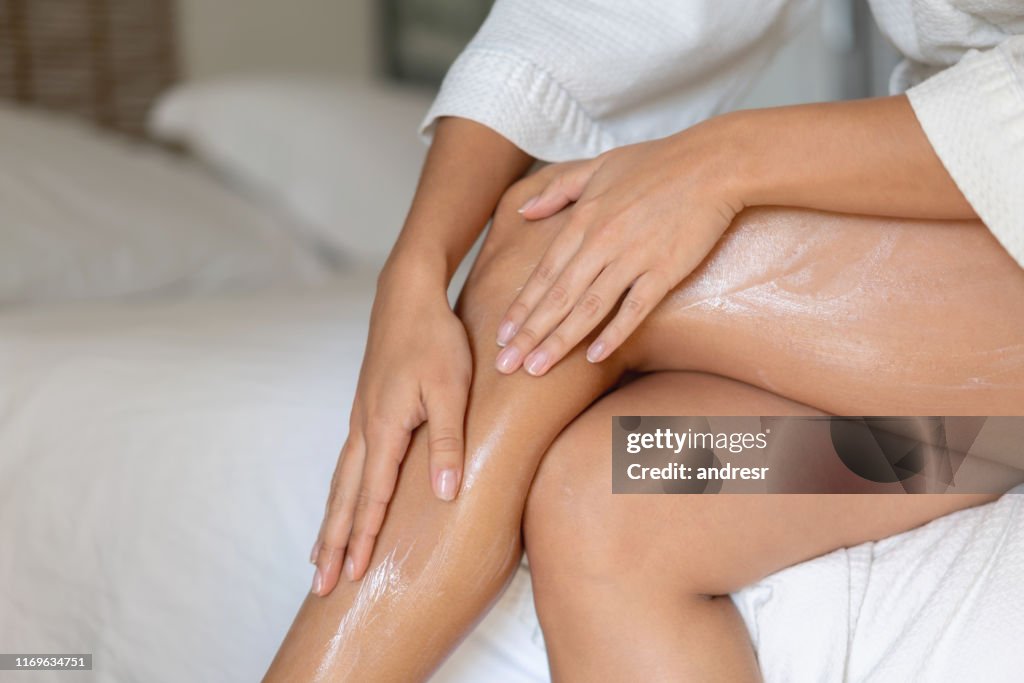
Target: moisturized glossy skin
901	317
849	315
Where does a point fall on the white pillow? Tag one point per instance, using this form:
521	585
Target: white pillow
85	214
344	157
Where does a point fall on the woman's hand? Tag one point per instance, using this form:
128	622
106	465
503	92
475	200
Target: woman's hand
417	369
643	218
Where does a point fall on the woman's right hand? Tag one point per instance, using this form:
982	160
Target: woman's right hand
417	368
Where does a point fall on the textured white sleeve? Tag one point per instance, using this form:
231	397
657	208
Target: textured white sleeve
973	115
564	79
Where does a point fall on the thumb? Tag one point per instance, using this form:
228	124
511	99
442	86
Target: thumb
561	191
446	412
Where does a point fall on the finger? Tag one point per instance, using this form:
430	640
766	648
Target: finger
562	190
646	293
595	303
544	275
337	524
446	412
552	311
385	449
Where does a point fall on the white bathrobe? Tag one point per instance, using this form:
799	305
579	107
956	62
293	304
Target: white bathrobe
565	79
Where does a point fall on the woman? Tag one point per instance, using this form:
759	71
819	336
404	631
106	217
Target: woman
660	255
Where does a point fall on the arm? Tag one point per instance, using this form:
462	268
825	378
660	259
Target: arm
646	215
468	168
863	156
417	364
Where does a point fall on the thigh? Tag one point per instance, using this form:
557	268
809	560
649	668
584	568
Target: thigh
854	315
707	544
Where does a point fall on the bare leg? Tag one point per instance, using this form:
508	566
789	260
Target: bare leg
789	298
642	595
438	566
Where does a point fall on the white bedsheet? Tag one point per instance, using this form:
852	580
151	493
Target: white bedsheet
163	467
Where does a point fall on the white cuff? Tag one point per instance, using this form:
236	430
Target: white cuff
973	115
520	101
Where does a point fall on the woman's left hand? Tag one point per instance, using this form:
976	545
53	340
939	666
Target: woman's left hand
643	217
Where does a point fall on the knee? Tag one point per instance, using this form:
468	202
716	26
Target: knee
576	533
583	542
511	249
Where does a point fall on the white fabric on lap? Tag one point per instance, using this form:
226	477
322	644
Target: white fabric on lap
941	603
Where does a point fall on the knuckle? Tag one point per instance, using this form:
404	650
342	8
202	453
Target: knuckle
334	495
558	295
364	534
606	236
445	443
558	184
329	542
544	274
347	453
342	505
633	306
518	310
557	342
335	539
368	499
591	304
529	334
337	490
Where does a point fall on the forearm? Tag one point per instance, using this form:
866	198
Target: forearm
468	168
862	156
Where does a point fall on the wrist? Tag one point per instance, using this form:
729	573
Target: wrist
763	149
718	150
415	268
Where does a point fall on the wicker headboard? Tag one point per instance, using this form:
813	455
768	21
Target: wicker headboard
103	59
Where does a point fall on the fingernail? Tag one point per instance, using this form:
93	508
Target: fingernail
318	581
506	332
314	553
350	568
444	486
529	202
508	359
596	351
536	361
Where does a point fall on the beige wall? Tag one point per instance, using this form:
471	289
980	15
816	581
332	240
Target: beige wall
219	37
